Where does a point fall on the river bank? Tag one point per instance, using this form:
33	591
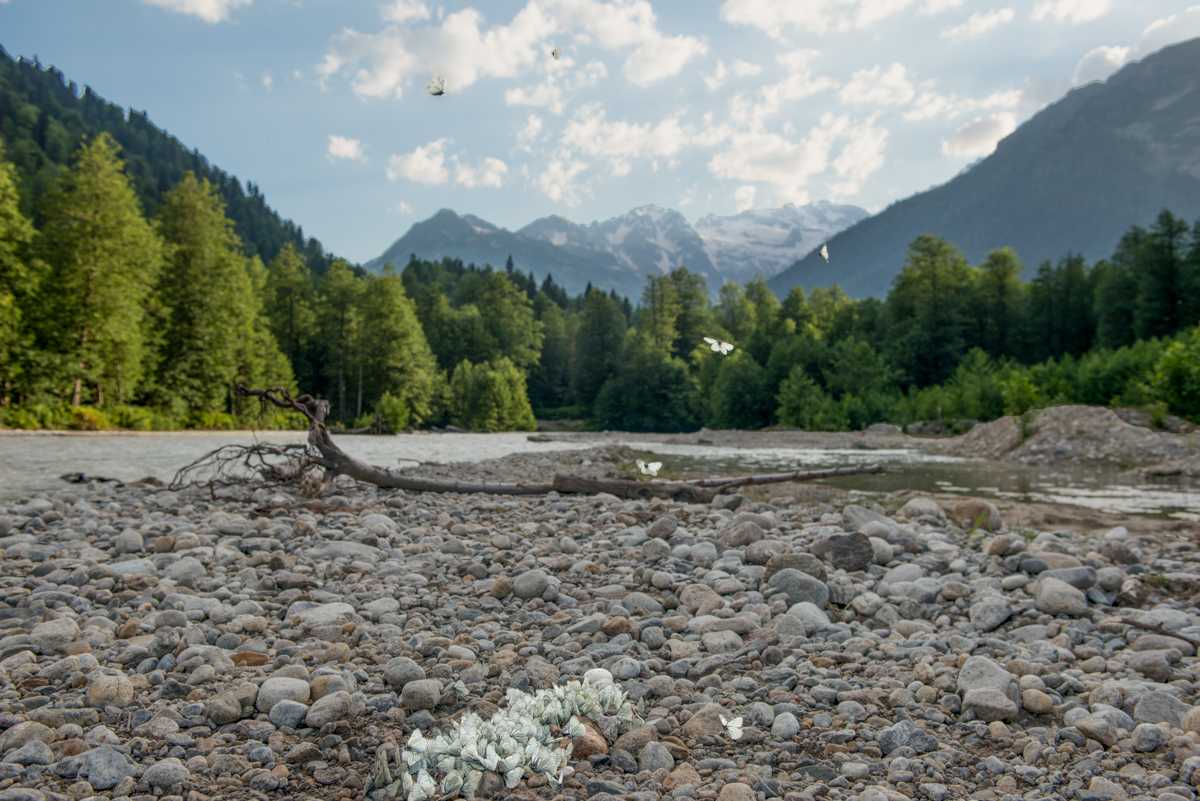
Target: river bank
263	645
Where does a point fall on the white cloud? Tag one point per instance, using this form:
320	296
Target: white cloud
743	197
931	7
1100	62
746	69
774	17
402	11
764	157
798	83
980	136
860	157
529	134
557	181
402	208
930	104
591	133
211	11
463	48
979	24
879	87
1074	11
345	147
424	165
661	58
489	173
297	75
267	81
429	164
719	74
560	82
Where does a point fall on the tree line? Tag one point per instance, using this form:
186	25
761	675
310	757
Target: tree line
112	317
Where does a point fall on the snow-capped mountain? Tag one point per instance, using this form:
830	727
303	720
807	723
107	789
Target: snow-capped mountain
648	240
618	253
766	241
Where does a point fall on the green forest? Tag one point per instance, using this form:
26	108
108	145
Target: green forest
139	285
110	317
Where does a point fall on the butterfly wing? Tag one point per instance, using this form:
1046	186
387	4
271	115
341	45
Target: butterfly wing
654	468
726	348
825	252
712	343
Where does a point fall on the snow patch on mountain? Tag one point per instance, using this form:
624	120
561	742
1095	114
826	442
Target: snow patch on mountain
766	241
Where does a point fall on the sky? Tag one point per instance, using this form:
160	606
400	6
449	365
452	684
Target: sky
705	106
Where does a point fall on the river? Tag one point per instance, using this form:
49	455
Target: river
31	463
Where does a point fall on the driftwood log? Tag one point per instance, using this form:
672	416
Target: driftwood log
322	454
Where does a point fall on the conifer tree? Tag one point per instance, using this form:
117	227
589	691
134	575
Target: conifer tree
18	278
202	292
290	298
104	259
394	358
339	294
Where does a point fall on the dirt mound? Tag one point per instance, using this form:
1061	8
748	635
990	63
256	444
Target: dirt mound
1074	434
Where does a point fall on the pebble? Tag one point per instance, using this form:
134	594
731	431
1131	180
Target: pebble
264	644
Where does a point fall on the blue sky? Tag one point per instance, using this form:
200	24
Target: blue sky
707	106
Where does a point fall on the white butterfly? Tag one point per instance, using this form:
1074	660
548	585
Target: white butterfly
825	252
717	346
649	468
732	727
437	86
556	53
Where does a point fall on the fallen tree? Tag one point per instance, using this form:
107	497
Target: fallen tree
315	464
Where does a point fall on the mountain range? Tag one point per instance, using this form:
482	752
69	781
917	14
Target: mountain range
1072	179
620	252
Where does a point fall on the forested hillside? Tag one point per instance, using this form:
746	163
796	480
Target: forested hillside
44	117
109	317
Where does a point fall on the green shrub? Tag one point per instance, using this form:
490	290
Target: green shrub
392	413
805	405
1177	376
89	418
490	397
214	421
133	418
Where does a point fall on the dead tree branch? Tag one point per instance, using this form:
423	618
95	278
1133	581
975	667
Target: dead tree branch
298	463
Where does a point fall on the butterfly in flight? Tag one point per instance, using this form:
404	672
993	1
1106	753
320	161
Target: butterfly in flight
556	53
717	346
649	469
825	252
732	727
437	86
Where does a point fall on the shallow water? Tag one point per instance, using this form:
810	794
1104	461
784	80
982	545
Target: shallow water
1095	488
31	463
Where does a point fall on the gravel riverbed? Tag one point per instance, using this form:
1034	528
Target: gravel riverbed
262	645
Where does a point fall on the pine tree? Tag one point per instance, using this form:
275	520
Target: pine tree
997	303
339	327
1160	300
290	298
660	312
598	345
260	361
18	278
202	294
549	381
394	357
104	259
